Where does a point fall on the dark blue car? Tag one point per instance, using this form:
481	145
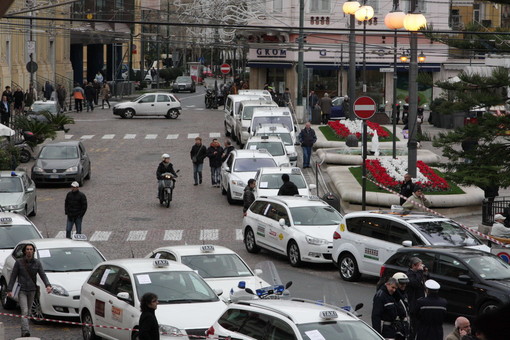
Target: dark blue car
337	111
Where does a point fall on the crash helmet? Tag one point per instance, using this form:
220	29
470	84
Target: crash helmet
165	155
401	278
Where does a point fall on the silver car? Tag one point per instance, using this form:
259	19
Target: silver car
184	83
17	193
150	104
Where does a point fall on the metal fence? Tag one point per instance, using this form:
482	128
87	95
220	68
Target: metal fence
492	206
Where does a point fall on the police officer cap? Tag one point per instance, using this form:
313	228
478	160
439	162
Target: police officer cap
401	278
432	285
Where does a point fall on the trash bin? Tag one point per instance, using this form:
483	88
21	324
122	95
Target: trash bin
333	200
316	115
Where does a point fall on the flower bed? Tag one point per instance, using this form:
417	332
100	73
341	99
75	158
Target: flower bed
349	127
390	173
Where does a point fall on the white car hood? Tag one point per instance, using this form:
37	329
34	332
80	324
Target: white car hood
71	281
324	231
243	176
4	253
10	198
124	105
191	315
226	284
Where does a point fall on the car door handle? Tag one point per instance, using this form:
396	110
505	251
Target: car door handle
110	302
92	293
152	104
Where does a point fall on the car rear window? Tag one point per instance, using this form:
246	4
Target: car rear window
285	120
446	232
59	152
274	148
274	181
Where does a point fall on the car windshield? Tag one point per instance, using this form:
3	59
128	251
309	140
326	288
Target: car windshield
335	330
183	79
489	267
284	136
11	235
38	107
338	101
10	184
59	152
76	259
285	120
274	148
252	164
315	215
175	287
217	265
274	181
446	232
248	111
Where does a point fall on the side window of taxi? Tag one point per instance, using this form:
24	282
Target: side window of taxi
258	207
122	284
251	324
163	255
104	277
280	330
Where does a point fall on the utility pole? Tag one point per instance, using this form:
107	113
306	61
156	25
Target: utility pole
299	93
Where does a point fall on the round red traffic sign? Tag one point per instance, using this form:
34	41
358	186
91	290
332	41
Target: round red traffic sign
225	68
364	107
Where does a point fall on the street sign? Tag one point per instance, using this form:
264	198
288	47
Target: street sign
364	107
225	68
32	66
30	47
386	69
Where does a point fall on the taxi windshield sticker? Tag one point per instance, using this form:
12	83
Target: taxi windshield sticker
44	253
104	277
315	335
144	279
263	184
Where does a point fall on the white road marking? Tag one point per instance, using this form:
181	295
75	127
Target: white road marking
239	234
61	234
173	235
100	236
172	136
68	136
192	135
137	235
108	137
130	136
214	135
209	234
151	136
87	137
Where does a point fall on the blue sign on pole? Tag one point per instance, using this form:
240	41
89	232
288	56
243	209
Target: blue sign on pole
201	60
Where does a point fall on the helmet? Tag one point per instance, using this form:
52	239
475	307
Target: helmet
401	278
165	155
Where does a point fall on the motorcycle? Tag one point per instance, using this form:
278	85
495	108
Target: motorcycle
210	99
25	150
167	185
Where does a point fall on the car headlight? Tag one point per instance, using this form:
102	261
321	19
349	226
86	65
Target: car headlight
171	330
37	169
293	155
72	169
14	206
238	182
59	290
316	241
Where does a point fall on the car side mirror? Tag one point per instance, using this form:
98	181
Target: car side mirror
124	296
258	272
281	221
407	243
30	189
227	169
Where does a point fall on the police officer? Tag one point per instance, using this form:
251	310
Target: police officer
430	312
415	289
402	303
384	310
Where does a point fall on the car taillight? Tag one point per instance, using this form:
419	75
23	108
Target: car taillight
210	331
336	235
381	272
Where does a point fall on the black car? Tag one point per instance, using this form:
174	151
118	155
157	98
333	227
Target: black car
472	281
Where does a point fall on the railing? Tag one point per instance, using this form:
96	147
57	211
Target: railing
492	206
68	85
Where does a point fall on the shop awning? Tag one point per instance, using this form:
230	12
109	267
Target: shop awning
270	65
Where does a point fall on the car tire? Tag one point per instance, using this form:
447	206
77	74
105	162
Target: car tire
7	302
89	174
88	331
130	113
24	156
172	114
230	200
293	254
36	311
227	133
488	306
223	191
249	241
348	268
80	182
34	209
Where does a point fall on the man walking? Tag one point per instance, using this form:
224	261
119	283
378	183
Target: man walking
25	271
198	153
430	312
75	208
249	196
307	138
90	96
61	97
288	188
313	100
227	150
326	104
214	153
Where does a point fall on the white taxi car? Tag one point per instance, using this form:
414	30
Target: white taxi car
243	119
13	229
300	227
295	319
150	104
288	139
221	267
273	145
111	297
67	264
240	166
269	181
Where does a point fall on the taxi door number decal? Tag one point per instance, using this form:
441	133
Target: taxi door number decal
372	254
342	227
280	236
117	314
261	231
99	310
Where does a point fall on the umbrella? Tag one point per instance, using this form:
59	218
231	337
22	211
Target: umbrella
6	131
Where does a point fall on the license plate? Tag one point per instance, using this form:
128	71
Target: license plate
54	176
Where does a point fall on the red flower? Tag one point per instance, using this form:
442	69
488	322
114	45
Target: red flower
342	131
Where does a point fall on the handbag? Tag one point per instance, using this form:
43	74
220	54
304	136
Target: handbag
194	159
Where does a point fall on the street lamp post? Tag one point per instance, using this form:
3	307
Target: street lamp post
394	20
350	7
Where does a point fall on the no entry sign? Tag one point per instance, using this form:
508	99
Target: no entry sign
225	68
364	107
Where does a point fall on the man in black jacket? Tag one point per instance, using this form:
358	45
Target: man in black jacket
90	95
214	153
407	188
163	167
75	208
307	138
384	310
288	188
249	196
198	153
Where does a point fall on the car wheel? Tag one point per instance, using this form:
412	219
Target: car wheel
88	327
249	241
36	311
230	200
80	182
227	133
172	114
89	173
24	156
34	209
130	113
7	302
488	307
294	254
348	268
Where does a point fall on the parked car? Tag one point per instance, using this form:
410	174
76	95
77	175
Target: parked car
288	138
150	104
269	181
62	162
273	145
243	119
366	239
18	193
231	108
184	83
337	110
34	111
472	281
299	227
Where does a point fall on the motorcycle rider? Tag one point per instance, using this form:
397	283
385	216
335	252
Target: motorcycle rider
164	166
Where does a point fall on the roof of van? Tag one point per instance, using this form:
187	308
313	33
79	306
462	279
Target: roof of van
270	111
259	102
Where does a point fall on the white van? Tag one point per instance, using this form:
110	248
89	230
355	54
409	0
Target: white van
264	93
232	110
281	131
272	115
243	119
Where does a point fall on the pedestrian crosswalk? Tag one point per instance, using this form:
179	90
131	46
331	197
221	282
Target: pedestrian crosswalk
166	235
140	136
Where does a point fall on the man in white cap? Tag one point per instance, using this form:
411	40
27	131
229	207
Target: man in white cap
75	208
498	228
430	312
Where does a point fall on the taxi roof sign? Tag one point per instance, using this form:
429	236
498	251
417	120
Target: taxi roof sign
79	237
328	314
207	248
161	263
5	220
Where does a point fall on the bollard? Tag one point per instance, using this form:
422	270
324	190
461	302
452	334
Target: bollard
2	331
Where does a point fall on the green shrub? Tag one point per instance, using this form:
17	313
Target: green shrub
9	156
41	130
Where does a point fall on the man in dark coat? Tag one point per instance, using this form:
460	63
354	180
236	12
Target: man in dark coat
307	138
198	153
18	97
384	310
249	196
227	150
75	208
407	188
214	153
313	100
326	104
5	111
48	90
8	93
430	312
417	274
148	323
288	188
90	95
61	97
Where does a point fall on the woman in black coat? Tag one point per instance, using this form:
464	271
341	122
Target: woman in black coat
148	324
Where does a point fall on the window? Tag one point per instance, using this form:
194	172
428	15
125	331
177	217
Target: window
277	6
280	331
320	6
255	326
123	284
162	98
258	207
451	267
163	255
10	184
107	278
230	161
400	233
369	226
233	319
148	99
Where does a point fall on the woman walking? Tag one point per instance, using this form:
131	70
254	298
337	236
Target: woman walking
148	324
105	94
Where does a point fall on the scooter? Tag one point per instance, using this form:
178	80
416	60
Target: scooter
210	99
25	150
167	188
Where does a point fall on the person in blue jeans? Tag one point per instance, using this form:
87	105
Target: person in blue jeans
198	153
75	208
307	138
